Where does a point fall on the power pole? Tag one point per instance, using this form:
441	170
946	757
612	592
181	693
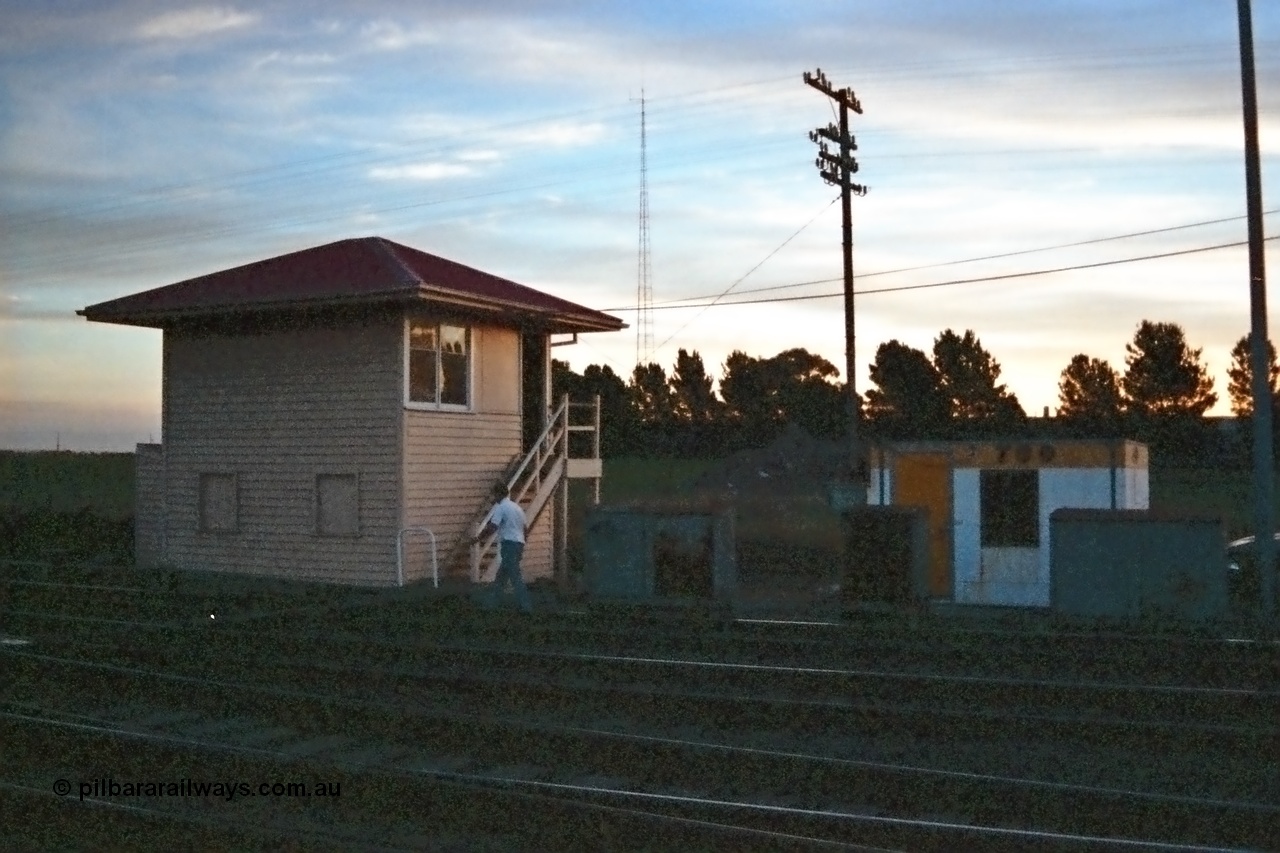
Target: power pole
838	170
1263	458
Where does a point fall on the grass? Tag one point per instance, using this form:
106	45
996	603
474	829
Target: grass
66	482
1225	493
638	479
798	530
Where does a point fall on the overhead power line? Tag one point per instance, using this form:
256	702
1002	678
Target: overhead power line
742	277
956	282
677	303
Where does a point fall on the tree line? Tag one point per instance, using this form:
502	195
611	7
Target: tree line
952	392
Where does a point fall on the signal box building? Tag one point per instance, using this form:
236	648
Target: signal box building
318	405
988	505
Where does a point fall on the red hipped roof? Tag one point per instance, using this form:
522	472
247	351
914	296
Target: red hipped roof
357	271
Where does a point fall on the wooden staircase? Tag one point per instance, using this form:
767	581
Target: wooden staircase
537	479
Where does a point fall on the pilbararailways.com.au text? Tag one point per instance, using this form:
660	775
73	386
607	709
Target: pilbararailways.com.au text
227	790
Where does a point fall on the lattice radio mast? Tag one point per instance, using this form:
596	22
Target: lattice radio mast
644	281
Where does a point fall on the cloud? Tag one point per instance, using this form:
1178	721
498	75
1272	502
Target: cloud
564	134
482	156
420	172
194	22
277	57
390	35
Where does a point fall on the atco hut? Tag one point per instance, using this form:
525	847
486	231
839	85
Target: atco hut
989	504
317	404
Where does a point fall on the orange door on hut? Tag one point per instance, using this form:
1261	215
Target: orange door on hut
924	480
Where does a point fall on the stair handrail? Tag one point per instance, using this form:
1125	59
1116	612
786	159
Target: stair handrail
554	434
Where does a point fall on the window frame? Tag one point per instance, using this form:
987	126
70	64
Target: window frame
437	405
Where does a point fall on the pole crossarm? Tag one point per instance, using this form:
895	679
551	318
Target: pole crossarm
844	97
832	133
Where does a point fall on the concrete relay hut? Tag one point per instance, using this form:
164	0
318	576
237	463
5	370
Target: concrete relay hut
317	404
989	502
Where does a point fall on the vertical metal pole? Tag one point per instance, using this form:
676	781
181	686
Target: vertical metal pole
844	177
562	510
595	481
1263	461
856	469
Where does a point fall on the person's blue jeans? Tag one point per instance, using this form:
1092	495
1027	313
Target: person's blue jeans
509	570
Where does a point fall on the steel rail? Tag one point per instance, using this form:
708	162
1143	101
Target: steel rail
422	645
532	726
582	796
1005	834
458	782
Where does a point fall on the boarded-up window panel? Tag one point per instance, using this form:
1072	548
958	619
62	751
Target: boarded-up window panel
1010	508
219	508
338	505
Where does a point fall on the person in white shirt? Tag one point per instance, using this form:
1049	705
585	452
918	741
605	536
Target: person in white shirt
511	524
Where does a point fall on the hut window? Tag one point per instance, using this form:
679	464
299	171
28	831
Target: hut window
218	499
337	505
1010	507
439	364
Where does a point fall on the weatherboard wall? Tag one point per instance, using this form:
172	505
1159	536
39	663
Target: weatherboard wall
451	460
276	409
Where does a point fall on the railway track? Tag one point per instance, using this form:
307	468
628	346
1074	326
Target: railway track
1180	713
935	645
620	728
672	766
377	798
816	798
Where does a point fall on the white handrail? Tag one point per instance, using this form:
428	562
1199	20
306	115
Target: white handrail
435	566
551	445
552	423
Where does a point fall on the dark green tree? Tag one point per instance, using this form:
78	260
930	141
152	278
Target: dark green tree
651	395
1240	376
970	381
748	398
809	392
1164	378
693	401
908	399
618	421
1167	390
762	394
1089	394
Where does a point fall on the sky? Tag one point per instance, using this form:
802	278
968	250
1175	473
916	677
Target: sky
142	143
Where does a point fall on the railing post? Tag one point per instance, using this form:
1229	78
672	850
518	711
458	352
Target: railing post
595	481
562	531
564	425
562	523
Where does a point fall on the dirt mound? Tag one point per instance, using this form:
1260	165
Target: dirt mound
795	463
